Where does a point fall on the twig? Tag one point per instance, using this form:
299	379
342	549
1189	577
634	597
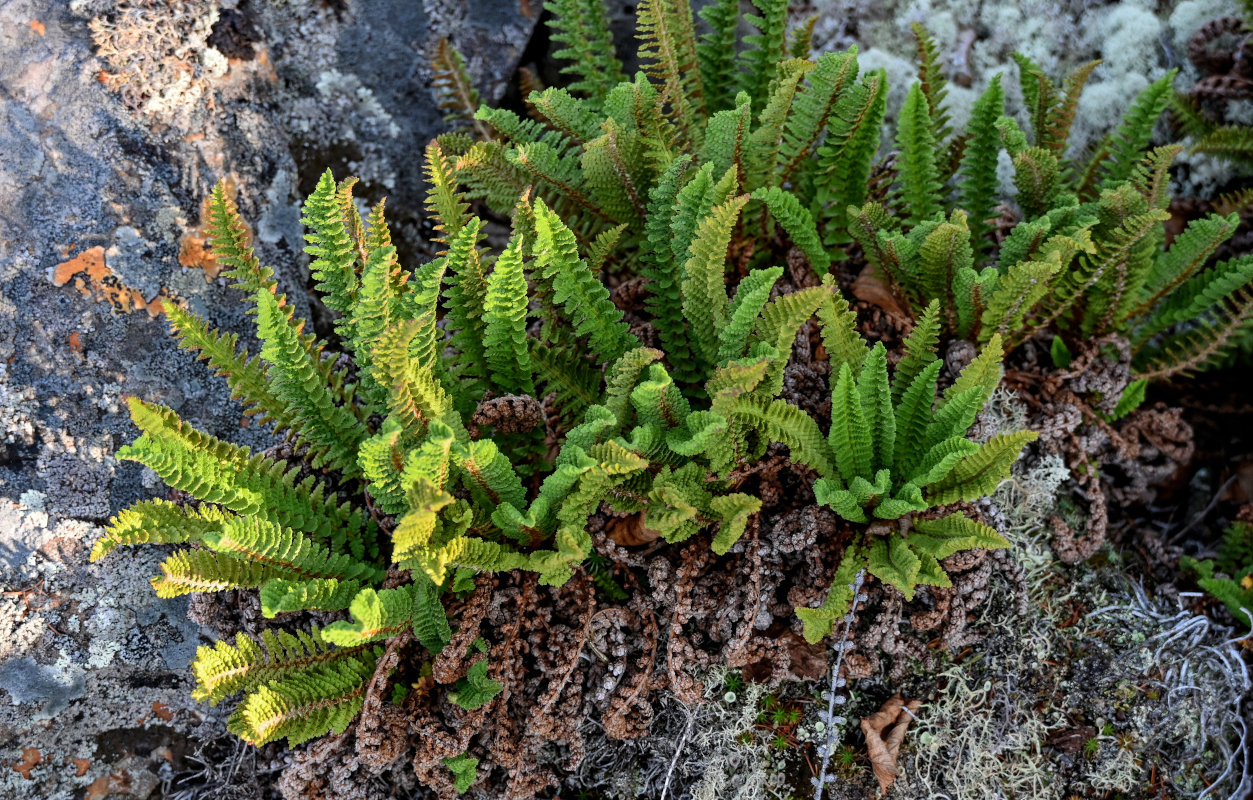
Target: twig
832	695
678	751
1205	511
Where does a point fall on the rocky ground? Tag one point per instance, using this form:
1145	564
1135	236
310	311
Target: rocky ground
117	116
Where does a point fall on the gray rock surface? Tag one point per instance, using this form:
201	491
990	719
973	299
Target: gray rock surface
116	118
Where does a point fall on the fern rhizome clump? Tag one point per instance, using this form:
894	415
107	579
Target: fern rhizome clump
650	426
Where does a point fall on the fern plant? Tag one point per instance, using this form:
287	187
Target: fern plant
1229	578
430	453
1085	258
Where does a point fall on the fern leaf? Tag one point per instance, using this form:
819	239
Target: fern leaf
847	153
751	296
334	253
504	320
454	90
704	277
765	48
920	350
978	474
918	188
766	141
333	433
818	622
581	28
782	422
377	615
798	223
1136	130
825	86
715	52
157	522
667	49
226	669
932	83
283	595
890	559
840	338
299	557
217	472
977	188
584	298
850	438
305	704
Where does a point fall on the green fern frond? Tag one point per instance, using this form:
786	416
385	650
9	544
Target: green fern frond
1205	346
1132	136
977	475
304	704
826	85
283	595
918	188
297	556
376	614
334	253
932	83
751	296
978	183
1233	142
581	28
192	571
766	141
799	224
225	669
765	48
245	376
704	277
504	319
332	432
217	472
715	52
576	289
667	49
157	522
845	157
444	200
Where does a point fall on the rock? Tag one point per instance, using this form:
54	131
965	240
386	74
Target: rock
117	117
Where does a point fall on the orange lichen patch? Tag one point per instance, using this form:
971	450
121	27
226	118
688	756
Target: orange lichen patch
105	785
93	278
30	757
76	342
38	27
162	711
90	261
81	765
193	252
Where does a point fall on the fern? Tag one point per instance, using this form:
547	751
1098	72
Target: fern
979	162
581	28
918	191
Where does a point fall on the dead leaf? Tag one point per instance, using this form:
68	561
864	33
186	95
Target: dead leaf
630	531
870	288
885	730
1071	740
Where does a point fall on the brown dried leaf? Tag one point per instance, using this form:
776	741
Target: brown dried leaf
885	730
870	288
630	531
